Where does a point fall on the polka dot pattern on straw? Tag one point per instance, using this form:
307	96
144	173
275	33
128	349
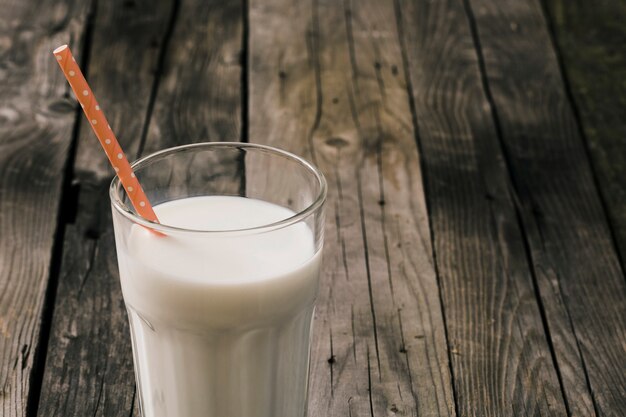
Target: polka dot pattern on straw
103	132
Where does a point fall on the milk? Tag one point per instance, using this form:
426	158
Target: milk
220	324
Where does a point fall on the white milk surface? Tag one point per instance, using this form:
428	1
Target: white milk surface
220	325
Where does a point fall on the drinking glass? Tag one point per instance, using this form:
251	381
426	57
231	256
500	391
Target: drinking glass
221	319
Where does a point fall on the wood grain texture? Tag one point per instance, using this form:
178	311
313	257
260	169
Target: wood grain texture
502	364
507	300
89	368
326	82
199	96
575	261
591	37
36	118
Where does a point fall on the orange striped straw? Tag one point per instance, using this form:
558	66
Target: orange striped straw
103	131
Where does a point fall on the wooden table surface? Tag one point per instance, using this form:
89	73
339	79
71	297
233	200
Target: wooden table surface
476	220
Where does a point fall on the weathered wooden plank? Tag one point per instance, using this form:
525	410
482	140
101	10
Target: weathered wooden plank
326	81
575	261
89	362
591	37
199	98
502	363
36	121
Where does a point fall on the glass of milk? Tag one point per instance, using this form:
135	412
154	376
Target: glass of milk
221	294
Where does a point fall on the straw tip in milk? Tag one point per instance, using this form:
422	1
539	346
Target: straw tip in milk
59	49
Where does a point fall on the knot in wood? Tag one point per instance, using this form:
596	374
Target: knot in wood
337	142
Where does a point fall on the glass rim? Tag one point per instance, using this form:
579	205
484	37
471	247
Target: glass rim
124	210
